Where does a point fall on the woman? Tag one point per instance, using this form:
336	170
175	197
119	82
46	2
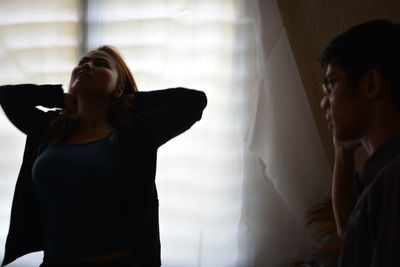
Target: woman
86	194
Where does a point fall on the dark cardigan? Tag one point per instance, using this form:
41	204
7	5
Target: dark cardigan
161	115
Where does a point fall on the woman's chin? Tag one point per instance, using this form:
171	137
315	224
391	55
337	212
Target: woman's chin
78	85
81	79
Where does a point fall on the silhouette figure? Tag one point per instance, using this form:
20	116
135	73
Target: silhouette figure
86	192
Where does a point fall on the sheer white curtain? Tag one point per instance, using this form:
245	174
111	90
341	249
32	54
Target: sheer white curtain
285	171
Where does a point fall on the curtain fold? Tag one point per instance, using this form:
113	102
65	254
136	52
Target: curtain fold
286	171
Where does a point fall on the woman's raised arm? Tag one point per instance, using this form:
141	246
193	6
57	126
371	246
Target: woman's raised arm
169	112
19	102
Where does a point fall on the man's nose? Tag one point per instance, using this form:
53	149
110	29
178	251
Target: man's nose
324	103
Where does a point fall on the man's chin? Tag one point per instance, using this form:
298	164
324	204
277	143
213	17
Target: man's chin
344	137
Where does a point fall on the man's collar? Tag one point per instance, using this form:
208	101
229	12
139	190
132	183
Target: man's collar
379	159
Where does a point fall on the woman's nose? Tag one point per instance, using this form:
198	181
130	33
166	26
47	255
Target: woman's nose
87	65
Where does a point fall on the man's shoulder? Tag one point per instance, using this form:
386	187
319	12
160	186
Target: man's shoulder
392	168
389	178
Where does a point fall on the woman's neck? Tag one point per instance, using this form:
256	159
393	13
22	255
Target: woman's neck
93	114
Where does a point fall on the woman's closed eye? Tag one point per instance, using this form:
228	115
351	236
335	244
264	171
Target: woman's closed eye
98	62
101	63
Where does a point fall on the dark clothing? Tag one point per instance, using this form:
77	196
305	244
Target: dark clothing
123	262
372	236
158	117
79	195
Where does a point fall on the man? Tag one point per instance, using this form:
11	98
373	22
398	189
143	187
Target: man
362	105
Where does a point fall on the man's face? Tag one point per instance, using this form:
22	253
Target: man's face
346	110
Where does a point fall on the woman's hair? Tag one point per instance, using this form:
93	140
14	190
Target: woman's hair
367	46
67	122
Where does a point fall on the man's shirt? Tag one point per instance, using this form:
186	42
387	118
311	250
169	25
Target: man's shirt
373	230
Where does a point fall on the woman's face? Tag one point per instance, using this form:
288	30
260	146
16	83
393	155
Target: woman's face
96	75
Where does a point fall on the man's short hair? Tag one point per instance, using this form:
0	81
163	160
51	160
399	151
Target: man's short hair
367	46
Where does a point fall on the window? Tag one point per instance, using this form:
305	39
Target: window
167	43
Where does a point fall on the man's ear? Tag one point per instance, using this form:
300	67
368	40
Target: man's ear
374	86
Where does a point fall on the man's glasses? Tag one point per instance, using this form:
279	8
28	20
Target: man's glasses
329	84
